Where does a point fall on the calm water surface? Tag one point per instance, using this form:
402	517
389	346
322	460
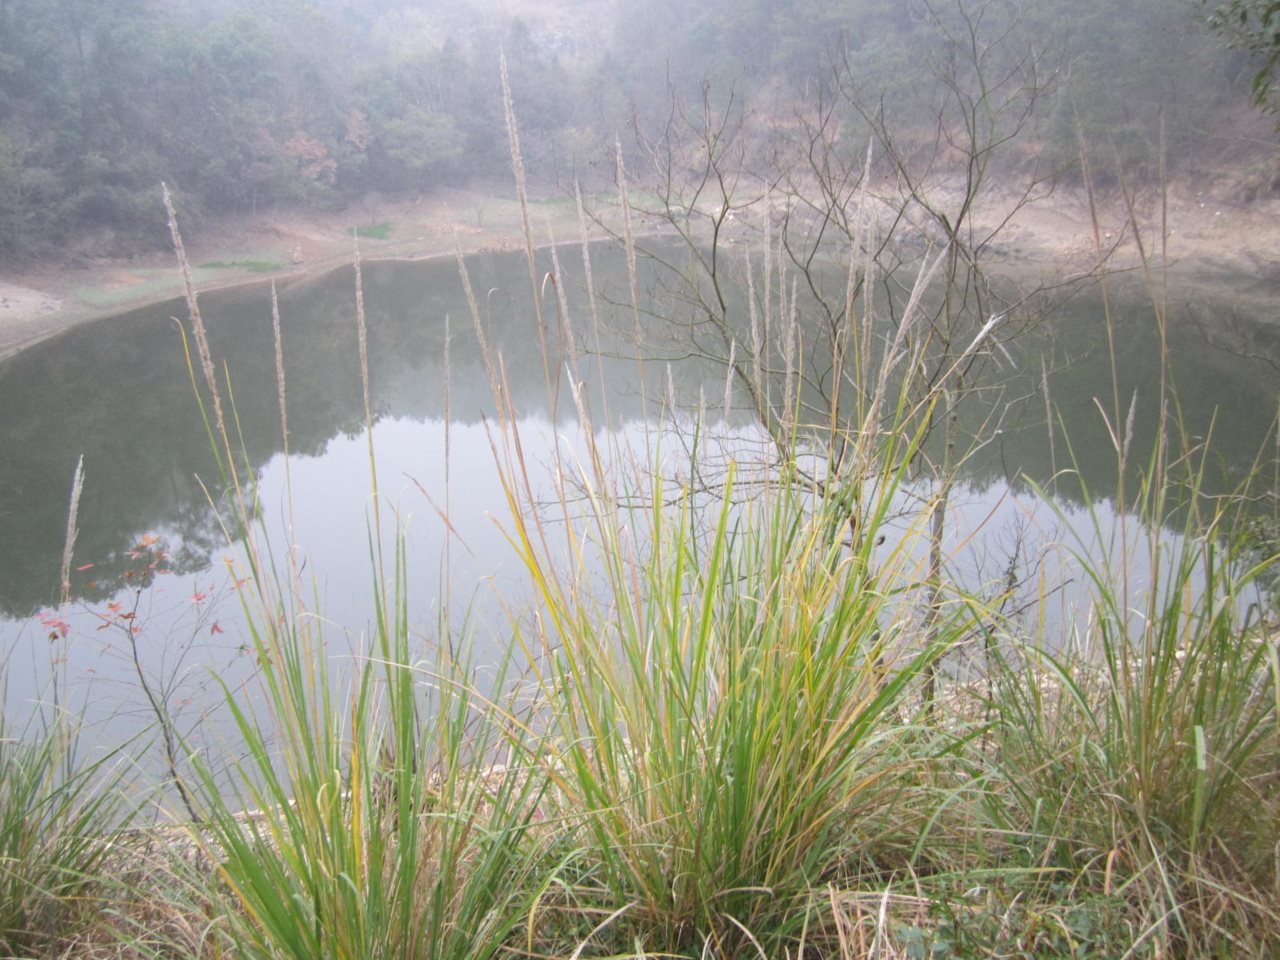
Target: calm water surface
118	392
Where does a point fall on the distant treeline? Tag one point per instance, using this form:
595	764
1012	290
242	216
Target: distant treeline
245	104
1114	72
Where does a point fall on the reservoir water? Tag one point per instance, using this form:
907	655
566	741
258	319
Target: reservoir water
153	566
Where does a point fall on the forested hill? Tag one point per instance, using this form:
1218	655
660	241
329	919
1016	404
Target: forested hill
246	104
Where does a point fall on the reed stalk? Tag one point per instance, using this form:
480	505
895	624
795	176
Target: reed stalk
517	169
69	541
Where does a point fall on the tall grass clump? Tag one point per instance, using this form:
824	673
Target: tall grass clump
726	687
366	817
1144	755
1142	751
371	823
724	667
58	815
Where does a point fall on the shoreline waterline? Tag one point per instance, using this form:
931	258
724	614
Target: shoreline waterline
1052	238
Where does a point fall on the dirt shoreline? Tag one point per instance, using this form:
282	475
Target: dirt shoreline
1208	238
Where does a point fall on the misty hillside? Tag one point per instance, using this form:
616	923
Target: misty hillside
244	106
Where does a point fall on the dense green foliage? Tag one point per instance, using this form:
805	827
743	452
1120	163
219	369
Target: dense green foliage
238	106
1254	25
316	102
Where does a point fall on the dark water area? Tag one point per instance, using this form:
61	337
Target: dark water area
119	392
1223	380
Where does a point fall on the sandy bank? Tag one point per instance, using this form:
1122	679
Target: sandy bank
1206	237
